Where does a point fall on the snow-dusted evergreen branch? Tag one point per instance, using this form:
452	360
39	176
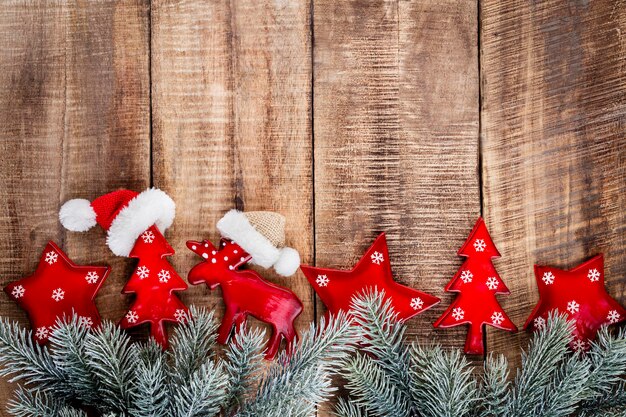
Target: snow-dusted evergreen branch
494	388
191	344
547	350
346	408
300	377
442	383
113	359
244	362
379	326
40	404
23	360
68	353
553	382
151	388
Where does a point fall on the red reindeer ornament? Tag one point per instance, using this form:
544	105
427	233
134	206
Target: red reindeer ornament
255	237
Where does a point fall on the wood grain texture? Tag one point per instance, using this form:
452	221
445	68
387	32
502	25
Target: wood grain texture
554	84
74	111
231	122
396	139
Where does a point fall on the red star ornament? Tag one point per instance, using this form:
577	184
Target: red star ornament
580	293
58	288
337	288
477	283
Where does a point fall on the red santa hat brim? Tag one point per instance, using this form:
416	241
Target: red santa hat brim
150	207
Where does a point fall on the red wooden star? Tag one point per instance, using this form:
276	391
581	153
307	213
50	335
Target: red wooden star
58	288
337	288
580	293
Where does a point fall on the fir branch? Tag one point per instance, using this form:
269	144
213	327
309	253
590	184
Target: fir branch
69	355
495	385
27	403
372	388
191	344
442	383
608	361
293	395
244	361
113	359
300	377
567	388
151	391
348	408
547	350
203	394
23	360
378	325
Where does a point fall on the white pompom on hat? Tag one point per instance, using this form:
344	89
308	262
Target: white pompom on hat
124	214
262	235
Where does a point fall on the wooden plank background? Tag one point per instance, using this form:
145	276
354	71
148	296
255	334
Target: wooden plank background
349	117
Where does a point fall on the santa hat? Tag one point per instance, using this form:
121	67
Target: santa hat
262	235
124	214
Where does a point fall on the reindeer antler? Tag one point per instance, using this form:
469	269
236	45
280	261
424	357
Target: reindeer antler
201	248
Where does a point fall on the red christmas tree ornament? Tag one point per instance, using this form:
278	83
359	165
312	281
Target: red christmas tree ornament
580	293
134	223
255	237
477	283
58	288
337	288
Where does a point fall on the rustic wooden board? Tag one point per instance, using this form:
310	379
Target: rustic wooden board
74	111
553	120
231	94
396	139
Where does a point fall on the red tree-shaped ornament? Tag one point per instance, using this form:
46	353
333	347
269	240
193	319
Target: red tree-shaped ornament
134	223
477	283
154	282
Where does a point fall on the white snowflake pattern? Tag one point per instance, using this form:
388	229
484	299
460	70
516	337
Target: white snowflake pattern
548	278
51	257
579	345
593	275
92	277
613	316
417	303
377	258
573	307
58	294
492	283
132	317
180	315
147	236
164	276
466	276
322	280
86	321
497	318
42	333
540	323
143	272
480	245
18	291
458	313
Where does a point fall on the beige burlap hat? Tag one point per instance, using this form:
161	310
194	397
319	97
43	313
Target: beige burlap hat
262	235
